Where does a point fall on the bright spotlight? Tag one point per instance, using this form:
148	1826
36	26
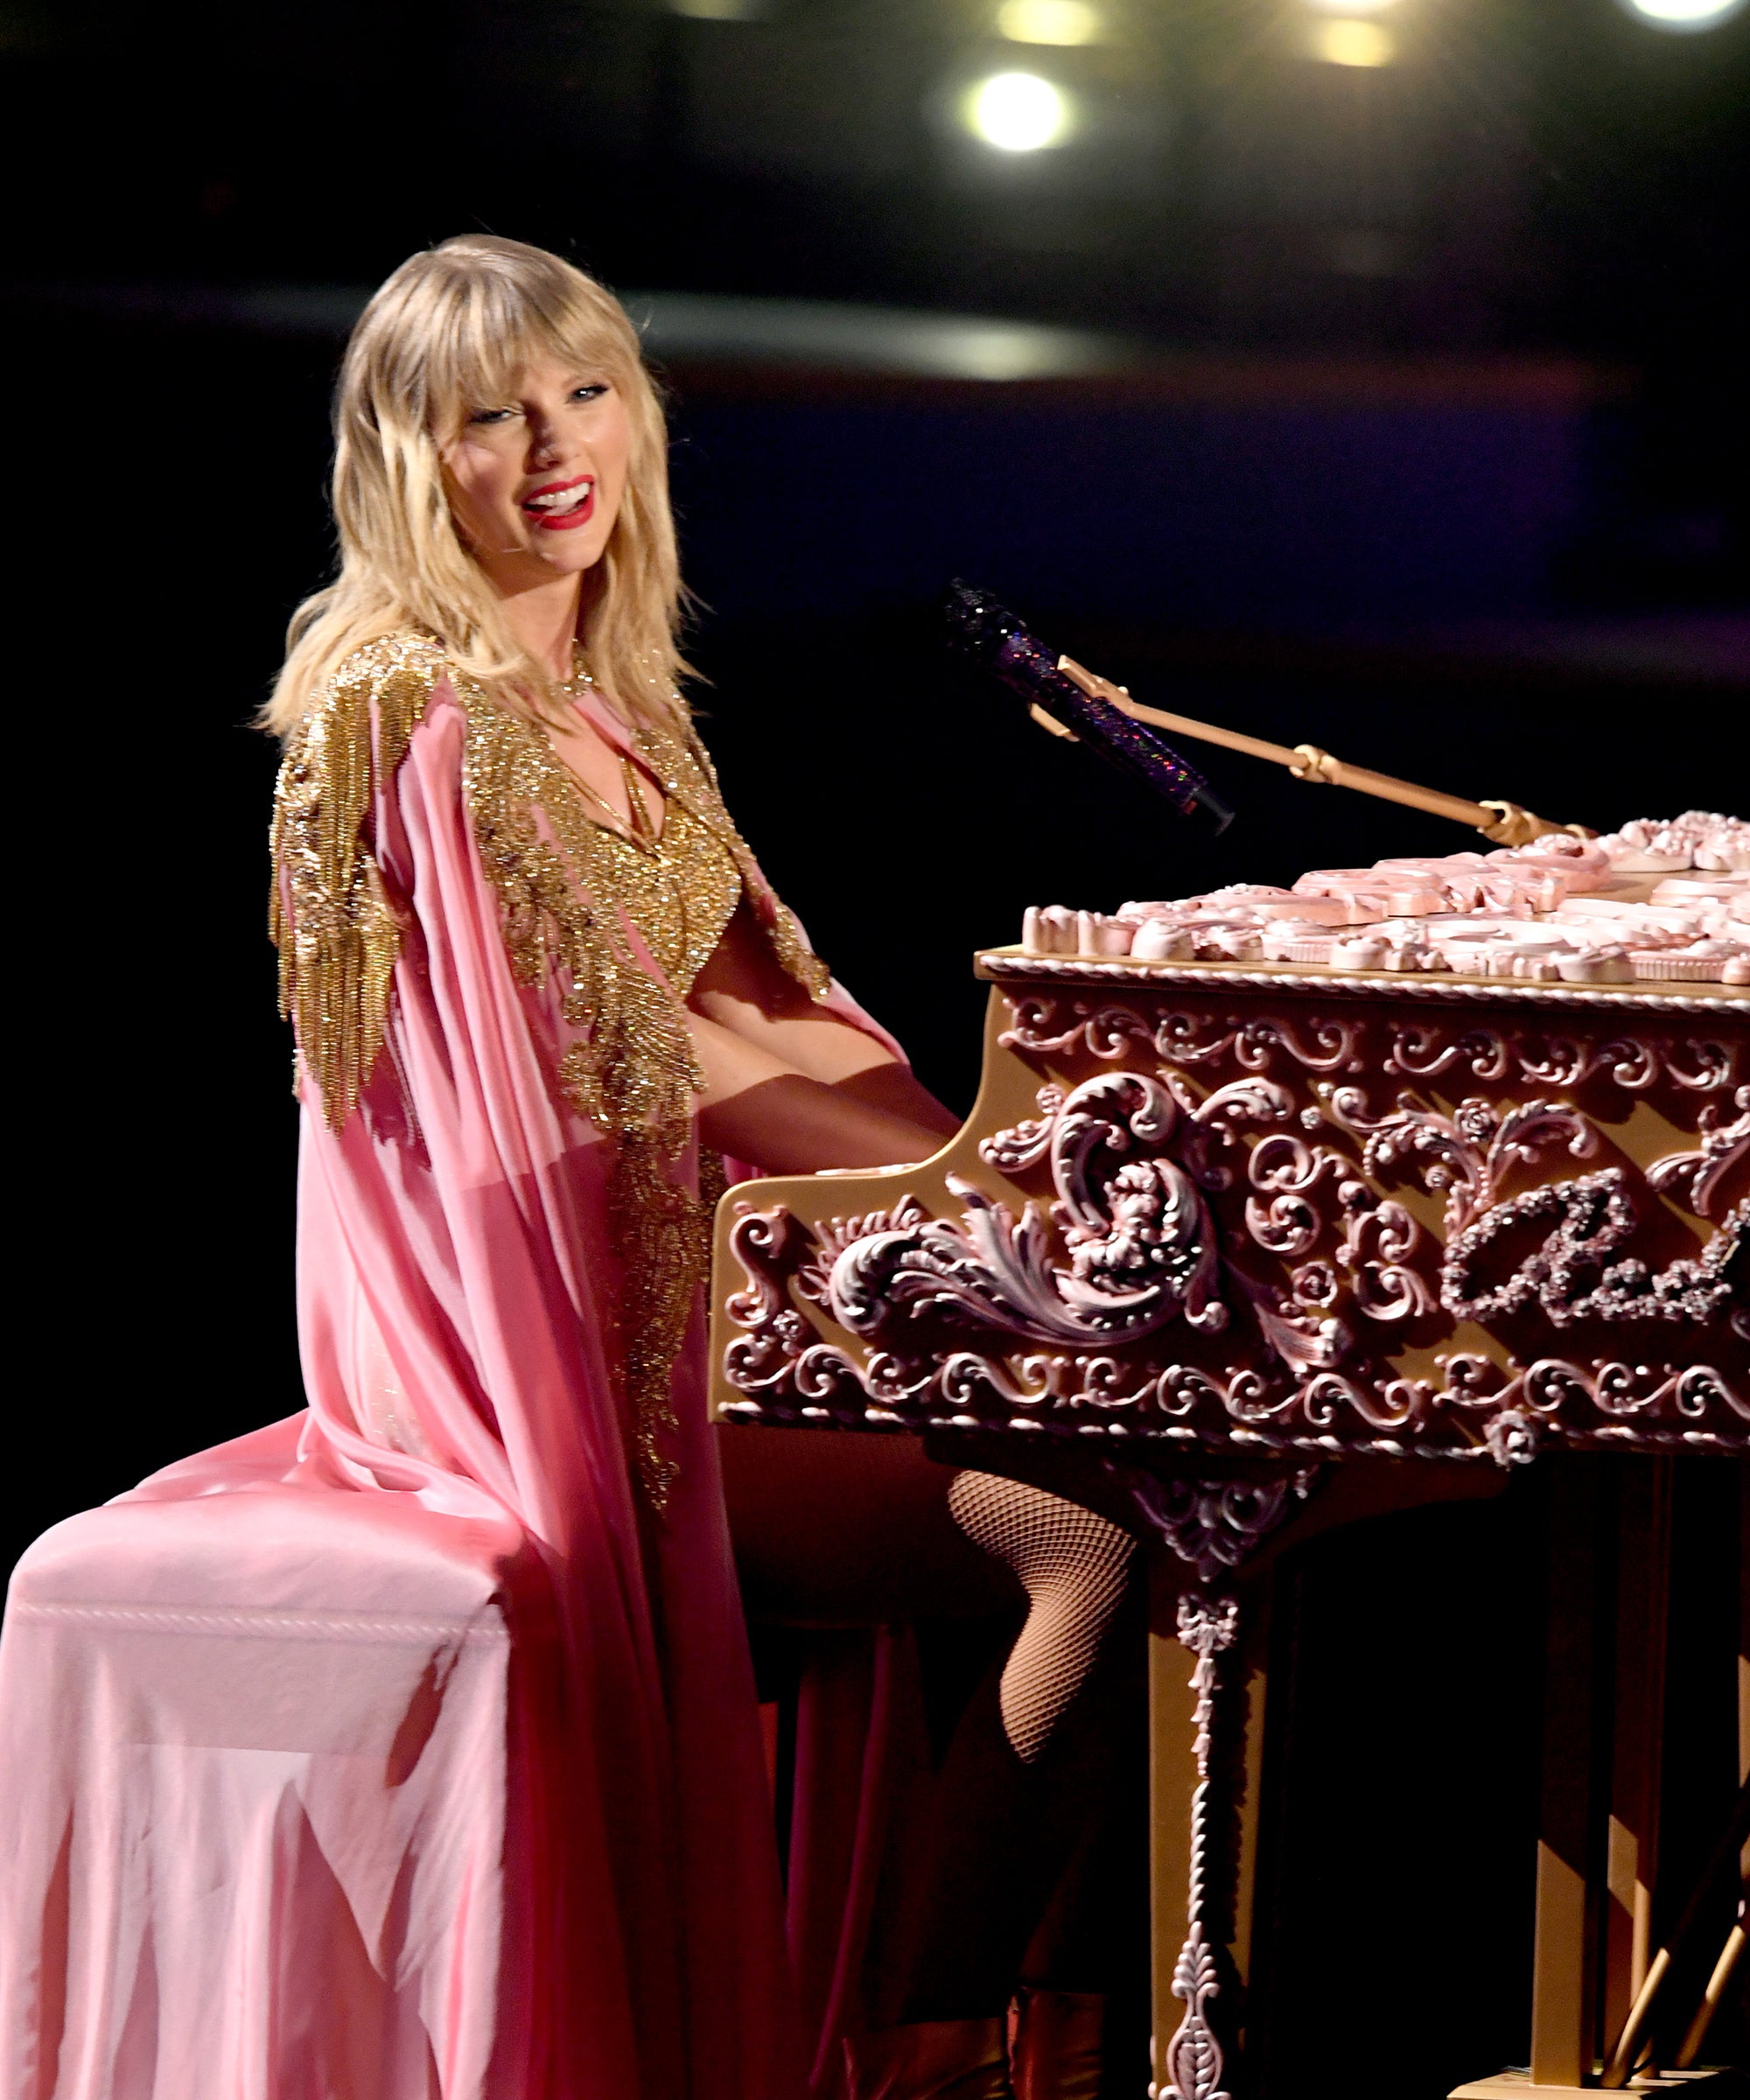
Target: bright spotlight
1016	112
1353	43
1683	14
1351	7
1048	22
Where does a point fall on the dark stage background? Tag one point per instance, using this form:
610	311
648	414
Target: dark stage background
1397	408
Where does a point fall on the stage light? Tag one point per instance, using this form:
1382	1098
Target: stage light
1351	7
1347	43
1682	14
1016	112
1048	22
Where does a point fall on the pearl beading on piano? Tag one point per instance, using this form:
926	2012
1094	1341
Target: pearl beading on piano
1655	901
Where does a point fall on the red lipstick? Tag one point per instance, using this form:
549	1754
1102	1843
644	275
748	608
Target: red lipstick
551	507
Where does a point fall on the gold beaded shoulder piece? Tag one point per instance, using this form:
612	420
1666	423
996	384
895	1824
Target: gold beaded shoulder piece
336	929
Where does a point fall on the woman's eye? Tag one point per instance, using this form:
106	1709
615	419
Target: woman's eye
591	392
492	415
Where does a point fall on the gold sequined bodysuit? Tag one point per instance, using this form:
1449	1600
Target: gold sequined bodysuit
679	885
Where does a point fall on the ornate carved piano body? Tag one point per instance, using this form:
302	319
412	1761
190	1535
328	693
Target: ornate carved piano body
1232	1226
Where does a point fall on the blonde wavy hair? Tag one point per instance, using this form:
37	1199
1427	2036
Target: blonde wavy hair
446	333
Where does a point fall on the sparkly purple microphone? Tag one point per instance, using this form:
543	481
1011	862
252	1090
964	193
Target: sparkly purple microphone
988	635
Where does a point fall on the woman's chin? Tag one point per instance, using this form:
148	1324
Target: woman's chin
529	569
569	553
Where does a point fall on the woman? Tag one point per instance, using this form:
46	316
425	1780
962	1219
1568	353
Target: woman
406	1750
537	980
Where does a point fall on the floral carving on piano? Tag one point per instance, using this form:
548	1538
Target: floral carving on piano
1330	1043
1697	1178
1133	1222
1630	1399
1424	1050
1312	1191
1044	1024
1215	1526
1578	1226
1464	1156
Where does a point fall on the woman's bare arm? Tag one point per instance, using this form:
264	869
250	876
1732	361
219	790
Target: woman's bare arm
744	993
757	1108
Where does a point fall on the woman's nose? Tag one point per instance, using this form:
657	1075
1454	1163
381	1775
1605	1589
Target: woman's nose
546	442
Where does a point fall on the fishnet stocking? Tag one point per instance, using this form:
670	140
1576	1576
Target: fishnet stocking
1071	1564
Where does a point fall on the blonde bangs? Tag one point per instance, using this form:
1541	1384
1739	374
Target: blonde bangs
447	334
492	328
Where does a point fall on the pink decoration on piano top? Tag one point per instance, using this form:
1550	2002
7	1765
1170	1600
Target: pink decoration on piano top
1658	901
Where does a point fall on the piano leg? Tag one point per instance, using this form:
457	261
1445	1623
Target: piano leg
1563	2014
1190	2066
1643	1575
1172	1780
1744	1633
1201	1922
1252	1667
1190	1900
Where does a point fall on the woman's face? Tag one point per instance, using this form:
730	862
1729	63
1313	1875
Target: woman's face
535	481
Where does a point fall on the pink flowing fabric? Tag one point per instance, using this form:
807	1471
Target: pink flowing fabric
397	1752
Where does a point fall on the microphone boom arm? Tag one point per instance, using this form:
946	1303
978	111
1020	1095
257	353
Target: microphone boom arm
1502	823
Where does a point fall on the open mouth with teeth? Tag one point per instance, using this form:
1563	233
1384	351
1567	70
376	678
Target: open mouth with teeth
561	506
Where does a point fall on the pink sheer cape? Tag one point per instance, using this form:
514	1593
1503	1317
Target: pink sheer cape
398	1750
